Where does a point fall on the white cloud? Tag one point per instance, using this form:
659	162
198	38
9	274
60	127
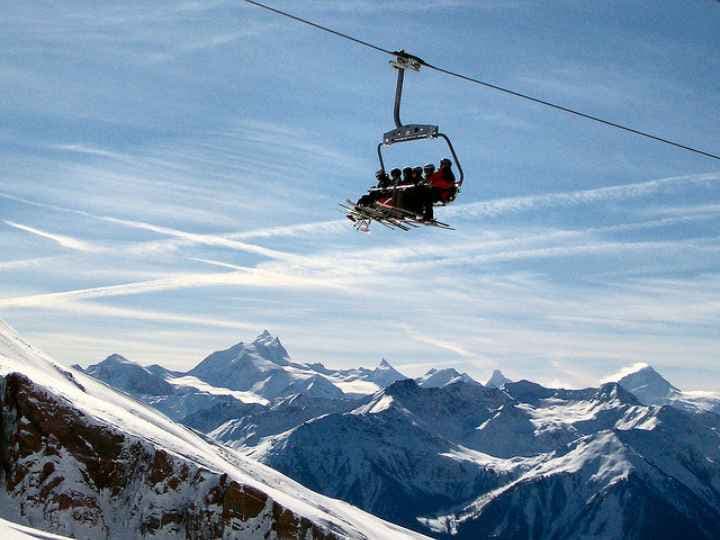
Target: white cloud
250	277
582	197
25	263
207	239
101	310
624	372
62	240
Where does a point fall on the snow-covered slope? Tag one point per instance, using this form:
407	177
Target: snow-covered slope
639	479
264	368
648	385
447	456
249	429
435	378
13	531
396	455
535	462
121	373
651	388
79	458
224	383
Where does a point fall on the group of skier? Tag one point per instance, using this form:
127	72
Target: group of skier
413	189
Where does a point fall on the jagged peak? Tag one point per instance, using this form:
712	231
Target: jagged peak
497	379
384	365
265	337
613	390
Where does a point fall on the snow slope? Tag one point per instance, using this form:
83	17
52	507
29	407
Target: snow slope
13	531
259	372
122	418
467	461
651	388
435	378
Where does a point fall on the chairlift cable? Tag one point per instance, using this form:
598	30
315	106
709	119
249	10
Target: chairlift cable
318	26
486	84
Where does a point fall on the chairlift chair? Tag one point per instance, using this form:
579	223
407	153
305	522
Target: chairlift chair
393	216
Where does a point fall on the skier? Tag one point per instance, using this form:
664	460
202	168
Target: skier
383	182
443	183
428	171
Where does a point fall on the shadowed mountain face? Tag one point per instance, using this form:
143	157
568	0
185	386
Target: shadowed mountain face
466	461
649	386
449	457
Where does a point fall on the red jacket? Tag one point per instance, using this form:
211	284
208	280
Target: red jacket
444	182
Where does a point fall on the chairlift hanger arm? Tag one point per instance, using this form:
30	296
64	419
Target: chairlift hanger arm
402	62
486	84
409	132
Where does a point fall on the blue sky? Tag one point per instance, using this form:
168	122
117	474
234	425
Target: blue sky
171	172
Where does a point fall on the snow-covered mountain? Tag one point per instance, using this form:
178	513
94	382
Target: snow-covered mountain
121	373
648	385
80	459
497	380
651	388
466	461
234	381
449	457
435	378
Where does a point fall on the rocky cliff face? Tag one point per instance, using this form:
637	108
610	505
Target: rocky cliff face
81	478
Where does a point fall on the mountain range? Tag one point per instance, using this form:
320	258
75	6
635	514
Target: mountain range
81	459
449	457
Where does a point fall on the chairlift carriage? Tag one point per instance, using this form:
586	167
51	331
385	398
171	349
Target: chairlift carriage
390	213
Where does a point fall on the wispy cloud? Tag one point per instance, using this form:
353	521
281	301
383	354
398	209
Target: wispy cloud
62	240
442	344
206	239
250	277
26	263
89	150
102	310
583	197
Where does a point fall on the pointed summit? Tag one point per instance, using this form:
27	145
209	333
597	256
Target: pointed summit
437	378
497	380
384	364
385	374
265	335
646	384
269	347
242	366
